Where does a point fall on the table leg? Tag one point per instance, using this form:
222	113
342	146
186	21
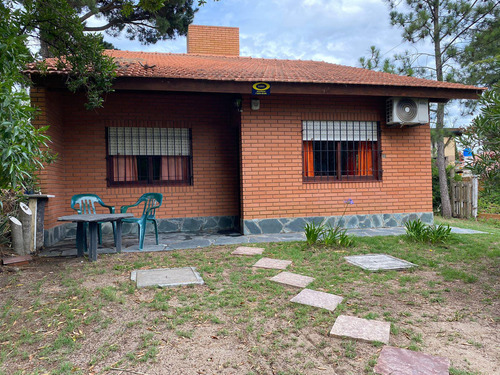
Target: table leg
118	236
80	237
93	241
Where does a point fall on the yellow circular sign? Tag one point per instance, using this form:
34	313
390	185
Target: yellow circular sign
261	86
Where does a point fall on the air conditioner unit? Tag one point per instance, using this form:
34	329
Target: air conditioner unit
407	111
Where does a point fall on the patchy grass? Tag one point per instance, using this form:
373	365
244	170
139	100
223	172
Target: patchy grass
64	316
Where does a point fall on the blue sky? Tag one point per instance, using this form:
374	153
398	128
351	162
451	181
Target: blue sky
335	31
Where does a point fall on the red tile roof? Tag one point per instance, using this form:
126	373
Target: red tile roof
247	69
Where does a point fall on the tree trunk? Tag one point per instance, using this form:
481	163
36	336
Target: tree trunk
44	49
441	164
440	160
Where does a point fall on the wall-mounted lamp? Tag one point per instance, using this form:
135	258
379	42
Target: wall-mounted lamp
255	104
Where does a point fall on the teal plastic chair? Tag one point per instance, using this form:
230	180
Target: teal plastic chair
151	202
85	204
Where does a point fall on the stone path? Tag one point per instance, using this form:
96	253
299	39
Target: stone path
245	250
276	264
406	362
292	279
317	299
361	329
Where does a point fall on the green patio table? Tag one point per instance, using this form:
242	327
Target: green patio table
92	220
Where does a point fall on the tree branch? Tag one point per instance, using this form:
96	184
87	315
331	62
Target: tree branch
450	43
112	5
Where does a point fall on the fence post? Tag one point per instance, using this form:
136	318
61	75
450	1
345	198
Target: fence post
475	189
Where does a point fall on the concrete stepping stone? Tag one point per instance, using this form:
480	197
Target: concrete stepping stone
406	362
378	262
317	299
276	264
165	277
292	279
245	250
361	329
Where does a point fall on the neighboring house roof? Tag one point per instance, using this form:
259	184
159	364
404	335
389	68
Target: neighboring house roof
247	69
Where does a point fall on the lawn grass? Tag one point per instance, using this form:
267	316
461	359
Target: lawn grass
73	317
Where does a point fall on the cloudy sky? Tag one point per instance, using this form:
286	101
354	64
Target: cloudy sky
335	31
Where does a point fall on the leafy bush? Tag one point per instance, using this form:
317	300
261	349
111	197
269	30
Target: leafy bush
420	232
330	236
439	233
416	231
313	232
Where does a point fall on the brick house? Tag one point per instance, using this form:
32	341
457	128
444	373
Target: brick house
229	154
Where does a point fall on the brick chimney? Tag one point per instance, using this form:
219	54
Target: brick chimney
213	40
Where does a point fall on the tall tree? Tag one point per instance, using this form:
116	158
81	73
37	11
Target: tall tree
145	20
21	144
447	25
480	59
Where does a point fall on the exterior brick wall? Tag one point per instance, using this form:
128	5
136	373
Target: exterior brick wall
271	156
213	40
79	138
52	177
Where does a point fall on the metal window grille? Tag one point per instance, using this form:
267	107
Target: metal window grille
340	150
149	155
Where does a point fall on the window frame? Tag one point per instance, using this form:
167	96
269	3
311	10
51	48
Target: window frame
110	166
339	176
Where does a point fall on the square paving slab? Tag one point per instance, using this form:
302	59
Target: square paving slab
361	329
292	279
245	250
317	299
276	264
379	262
166	277
406	362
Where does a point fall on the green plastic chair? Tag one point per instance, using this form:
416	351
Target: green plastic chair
85	204
151	202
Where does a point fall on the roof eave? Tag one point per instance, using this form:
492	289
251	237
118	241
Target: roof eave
434	94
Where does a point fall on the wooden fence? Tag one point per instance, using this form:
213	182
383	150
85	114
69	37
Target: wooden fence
464	198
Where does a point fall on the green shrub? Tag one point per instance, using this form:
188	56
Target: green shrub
439	233
328	236
420	232
313	232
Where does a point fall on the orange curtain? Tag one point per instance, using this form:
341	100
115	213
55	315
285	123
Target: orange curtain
364	165
125	168
174	168
308	159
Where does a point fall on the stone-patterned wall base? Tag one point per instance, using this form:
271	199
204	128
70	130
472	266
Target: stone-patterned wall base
209	224
288	225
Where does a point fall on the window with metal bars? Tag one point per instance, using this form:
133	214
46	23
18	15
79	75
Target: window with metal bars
145	156
341	150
